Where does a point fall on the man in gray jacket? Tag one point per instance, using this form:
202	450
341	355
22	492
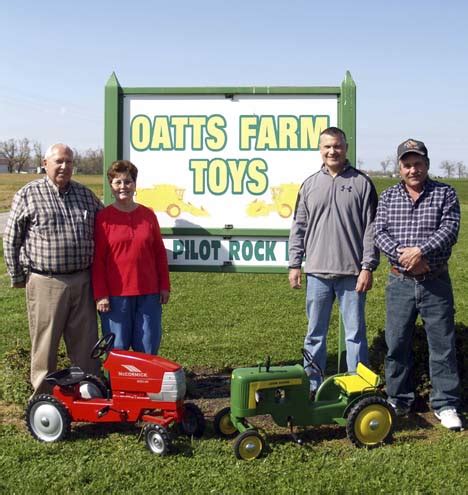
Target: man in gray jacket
333	228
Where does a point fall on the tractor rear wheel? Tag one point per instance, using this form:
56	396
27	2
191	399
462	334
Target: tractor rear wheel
47	418
370	422
222	425
92	387
173	210
193	424
285	211
249	445
157	439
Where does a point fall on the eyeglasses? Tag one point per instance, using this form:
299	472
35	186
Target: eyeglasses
125	182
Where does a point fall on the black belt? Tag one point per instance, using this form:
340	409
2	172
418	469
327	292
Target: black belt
54	274
423	276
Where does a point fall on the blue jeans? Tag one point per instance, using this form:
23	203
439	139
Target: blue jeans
321	293
433	301
135	321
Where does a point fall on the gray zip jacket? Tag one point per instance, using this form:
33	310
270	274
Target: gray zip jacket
333	224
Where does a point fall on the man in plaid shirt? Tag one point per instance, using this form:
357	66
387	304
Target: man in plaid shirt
416	225
48	249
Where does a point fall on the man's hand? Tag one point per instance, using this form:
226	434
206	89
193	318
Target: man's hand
421	268
19	285
295	277
103	305
364	281
164	296
409	257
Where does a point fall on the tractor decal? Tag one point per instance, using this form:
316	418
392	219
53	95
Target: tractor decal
284	200
170	199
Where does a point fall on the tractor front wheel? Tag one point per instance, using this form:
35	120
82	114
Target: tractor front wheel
47	419
157	439
249	445
222	425
193	423
370	422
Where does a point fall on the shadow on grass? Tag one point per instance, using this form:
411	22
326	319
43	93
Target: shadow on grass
420	372
102	430
180	443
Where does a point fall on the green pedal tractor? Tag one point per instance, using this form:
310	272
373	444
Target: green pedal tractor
353	400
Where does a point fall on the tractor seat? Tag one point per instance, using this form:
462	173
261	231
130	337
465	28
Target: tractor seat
363	379
68	376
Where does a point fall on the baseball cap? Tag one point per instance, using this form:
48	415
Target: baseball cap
412	146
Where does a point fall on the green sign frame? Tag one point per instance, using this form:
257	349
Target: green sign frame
113	145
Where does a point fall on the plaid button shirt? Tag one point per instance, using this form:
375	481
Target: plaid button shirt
430	223
48	230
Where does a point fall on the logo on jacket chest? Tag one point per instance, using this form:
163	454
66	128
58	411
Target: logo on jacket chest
346	188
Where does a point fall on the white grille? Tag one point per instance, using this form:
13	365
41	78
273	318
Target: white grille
173	387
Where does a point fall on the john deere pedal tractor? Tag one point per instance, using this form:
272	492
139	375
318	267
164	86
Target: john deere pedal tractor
352	400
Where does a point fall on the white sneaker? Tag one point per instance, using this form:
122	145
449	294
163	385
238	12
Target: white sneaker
449	418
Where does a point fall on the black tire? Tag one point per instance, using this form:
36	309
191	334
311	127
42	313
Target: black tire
222	424
157	439
193	424
47	419
96	388
370	422
249	445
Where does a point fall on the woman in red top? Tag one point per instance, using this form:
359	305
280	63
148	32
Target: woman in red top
130	272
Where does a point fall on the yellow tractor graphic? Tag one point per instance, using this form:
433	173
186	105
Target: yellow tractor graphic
170	199
284	200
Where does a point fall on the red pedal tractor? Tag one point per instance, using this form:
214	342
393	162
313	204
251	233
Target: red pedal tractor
142	389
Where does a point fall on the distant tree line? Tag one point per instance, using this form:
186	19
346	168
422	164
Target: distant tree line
23	155
390	167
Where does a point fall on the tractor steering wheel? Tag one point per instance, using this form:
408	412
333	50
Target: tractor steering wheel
103	346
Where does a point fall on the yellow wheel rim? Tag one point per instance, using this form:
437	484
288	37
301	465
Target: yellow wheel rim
250	447
373	424
173	210
225	425
285	211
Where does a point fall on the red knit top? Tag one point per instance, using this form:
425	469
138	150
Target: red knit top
129	255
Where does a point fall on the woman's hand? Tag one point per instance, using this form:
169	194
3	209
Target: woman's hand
164	296
103	305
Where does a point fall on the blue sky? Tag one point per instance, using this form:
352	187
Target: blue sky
409	60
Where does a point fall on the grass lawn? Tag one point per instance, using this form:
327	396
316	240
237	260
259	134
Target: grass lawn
215	322
10	183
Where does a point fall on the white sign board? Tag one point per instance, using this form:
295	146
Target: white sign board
211	161
222	251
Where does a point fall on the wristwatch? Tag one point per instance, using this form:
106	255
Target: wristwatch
367	268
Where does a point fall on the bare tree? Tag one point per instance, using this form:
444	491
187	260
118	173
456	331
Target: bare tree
89	162
449	167
8	151
461	170
17	152
385	164
37	157
360	163
388	164
77	161
24	154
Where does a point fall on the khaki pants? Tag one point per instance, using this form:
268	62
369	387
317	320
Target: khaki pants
61	305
